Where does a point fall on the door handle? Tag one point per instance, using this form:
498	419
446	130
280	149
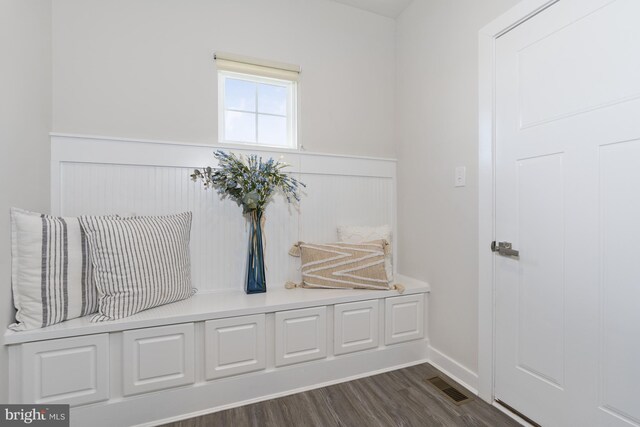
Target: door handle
504	249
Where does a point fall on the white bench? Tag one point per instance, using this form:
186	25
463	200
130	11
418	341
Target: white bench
216	350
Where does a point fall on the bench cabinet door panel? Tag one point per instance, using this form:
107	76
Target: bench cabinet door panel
355	326
157	358
234	346
69	370
301	335
404	318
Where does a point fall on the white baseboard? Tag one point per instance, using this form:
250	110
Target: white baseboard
462	375
205	397
459	373
282	394
214	396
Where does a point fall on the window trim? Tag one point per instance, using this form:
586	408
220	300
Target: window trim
291	114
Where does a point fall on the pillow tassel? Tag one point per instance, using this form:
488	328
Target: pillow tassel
387	247
398	287
292	285
295	250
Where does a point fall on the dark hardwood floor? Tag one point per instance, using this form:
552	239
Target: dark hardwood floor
397	398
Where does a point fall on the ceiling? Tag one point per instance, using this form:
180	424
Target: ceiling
390	8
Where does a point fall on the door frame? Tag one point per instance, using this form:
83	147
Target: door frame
488	35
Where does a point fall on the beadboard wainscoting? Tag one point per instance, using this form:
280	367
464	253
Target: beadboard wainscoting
100	175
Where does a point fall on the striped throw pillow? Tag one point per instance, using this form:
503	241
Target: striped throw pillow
139	262
51	272
343	265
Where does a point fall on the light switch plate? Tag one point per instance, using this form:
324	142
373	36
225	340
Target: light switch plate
461	176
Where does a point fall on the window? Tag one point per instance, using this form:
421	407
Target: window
256	102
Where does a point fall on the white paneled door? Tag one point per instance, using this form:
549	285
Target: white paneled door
567	161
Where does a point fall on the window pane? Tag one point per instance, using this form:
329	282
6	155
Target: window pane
240	95
272	99
272	130
239	127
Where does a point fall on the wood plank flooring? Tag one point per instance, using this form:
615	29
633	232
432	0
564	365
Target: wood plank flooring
397	398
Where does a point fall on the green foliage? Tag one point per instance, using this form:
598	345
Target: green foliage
249	181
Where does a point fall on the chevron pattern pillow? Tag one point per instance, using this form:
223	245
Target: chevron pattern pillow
362	233
343	265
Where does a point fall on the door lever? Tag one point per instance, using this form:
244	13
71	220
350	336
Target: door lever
504	249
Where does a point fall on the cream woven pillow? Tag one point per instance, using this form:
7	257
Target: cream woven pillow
343	265
363	233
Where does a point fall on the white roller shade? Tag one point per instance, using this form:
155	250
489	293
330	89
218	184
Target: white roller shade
258	67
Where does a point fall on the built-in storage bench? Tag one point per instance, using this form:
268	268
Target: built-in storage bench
216	350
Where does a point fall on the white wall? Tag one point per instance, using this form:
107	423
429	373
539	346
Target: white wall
437	51
144	69
25	121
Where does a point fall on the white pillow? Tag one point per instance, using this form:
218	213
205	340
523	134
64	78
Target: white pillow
51	272
363	233
139	262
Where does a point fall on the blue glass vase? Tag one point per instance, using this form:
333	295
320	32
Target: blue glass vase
256	280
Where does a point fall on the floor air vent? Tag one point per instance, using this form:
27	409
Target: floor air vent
448	390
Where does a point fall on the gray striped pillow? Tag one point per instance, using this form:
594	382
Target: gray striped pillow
139	262
51	273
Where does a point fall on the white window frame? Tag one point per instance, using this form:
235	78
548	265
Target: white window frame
291	113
